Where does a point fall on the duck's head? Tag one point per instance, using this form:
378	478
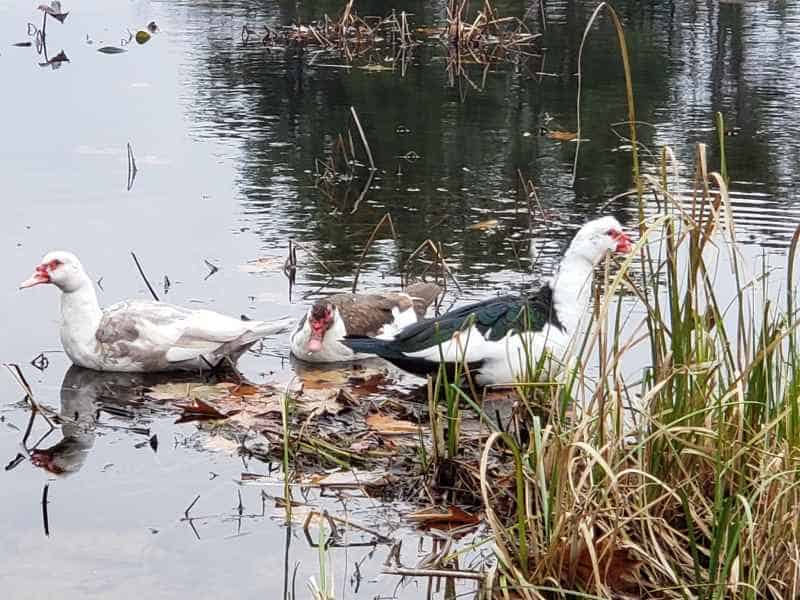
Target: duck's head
62	269
320	318
599	237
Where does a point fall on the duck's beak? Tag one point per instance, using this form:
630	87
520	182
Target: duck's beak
314	341
39	276
624	244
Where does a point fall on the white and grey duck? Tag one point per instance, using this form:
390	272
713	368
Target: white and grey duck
319	333
501	338
140	335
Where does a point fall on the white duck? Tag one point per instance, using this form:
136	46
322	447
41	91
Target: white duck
139	335
503	338
318	336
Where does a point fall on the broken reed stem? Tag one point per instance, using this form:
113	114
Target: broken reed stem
628	89
363	138
379	537
132	170
287	491
147	283
318	260
386	217
17	372
188	508
45	519
434	573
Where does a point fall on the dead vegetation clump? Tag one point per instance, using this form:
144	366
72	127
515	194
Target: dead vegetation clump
349	34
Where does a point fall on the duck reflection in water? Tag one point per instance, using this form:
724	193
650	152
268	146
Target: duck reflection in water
84	394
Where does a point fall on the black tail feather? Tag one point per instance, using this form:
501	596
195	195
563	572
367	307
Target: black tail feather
387	350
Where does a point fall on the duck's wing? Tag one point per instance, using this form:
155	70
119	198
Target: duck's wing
468	333
156	334
367	314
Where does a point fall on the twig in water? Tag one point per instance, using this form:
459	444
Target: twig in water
45	520
17	372
212	269
147	283
132	170
363	138
434	573
386	217
188	508
318	260
363	193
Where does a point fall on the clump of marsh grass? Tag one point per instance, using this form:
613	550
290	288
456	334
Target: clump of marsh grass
484	39
698	495
681	482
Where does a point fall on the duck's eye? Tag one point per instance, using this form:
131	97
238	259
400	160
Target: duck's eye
54	264
613	233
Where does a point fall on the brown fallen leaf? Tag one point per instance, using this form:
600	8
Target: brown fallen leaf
352	479
183	391
561	136
451	515
322	402
388	425
248	389
365	444
484	225
618	568
198	410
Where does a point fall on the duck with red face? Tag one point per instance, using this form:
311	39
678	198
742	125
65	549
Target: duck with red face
139	335
503	338
320	319
329	320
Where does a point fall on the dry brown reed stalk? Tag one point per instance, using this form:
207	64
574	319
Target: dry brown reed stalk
439	263
485	40
696	501
387	218
349	34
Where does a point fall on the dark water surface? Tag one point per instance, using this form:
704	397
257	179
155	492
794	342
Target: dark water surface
225	136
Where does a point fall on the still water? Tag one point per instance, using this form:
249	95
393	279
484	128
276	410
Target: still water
226	135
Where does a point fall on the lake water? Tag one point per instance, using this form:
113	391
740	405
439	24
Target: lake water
225	136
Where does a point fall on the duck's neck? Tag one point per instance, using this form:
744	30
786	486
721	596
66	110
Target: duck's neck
572	289
80	312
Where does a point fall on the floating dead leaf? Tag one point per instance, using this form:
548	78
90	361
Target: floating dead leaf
142	37
56	61
323	402
362	381
616	565
366	443
182	391
198	410
561	136
266	264
353	479
484	225
54	10
248	389
388	425
111	50
438	516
